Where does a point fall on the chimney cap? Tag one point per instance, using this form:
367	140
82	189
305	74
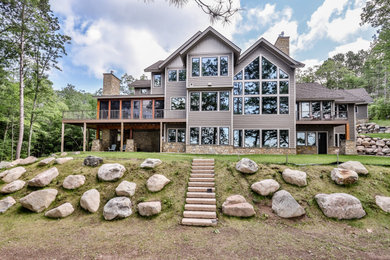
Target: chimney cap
281	34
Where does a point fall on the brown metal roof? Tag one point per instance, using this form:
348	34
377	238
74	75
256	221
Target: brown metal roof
141	83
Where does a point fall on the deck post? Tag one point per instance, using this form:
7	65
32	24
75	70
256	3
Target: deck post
121	136
347	134
62	137
84	135
161	125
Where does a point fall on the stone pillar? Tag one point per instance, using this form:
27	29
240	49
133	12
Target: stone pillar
350	147
122	132
96	145
105	139
129	145
84	136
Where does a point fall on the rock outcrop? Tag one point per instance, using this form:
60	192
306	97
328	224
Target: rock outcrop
13	174
73	181
126	188
93	161
150	208
355	166
6	203
111	172
343	176
13	186
44	178
90	200
151	163
61	211
295	177
119	207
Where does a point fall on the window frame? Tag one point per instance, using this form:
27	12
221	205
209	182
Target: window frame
198	136
170	107
154	80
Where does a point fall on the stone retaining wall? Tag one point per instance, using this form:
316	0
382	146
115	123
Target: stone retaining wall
372	128
372	146
174	147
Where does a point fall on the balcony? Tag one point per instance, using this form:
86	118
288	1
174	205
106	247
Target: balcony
325	115
113	114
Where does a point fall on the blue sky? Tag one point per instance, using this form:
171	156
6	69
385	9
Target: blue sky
129	35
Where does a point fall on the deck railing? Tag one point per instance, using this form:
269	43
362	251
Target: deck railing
322	115
116	114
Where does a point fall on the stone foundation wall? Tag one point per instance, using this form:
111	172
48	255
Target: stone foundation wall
228	149
174	147
334	149
366	145
129	145
350	147
306	149
371	128
96	145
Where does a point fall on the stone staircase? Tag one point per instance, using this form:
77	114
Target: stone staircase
200	208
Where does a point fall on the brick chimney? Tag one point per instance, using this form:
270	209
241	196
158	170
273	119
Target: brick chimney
111	84
283	43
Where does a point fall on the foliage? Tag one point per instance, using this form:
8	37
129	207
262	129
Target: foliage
380	109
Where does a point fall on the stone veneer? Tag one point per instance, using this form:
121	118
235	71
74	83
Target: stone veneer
228	149
174	147
350	147
306	149
111	84
105	139
129	145
96	145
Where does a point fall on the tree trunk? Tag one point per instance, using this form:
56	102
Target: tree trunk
32	116
4	138
21	88
12	139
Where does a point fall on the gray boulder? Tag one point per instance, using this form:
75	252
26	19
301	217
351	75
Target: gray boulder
265	187
151	163
285	206
343	176
93	161
28	160
63	154
126	188
4	165
151	208
119	207
16	162
6	203
383	202
246	165
40	200
111	172
73	181
46	161
78	152
61	211
340	206
63	160
90	200
355	166
44	178
295	177
13	186
13	174
157	182
237	206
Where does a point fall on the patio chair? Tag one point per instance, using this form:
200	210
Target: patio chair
124	148
113	148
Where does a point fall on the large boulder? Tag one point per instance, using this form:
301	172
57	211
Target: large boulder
13	174
246	165
126	188
150	208
4	165
237	206
90	200
39	200
63	160
265	187
28	160
44	178
46	161
343	176
61	211
111	172
340	206
157	182
285	206
295	177
16	162
73	181
151	163
13	186
63	154
93	161
6	203
355	166
119	207
383	202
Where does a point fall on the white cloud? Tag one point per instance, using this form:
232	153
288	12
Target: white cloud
355	46
311	63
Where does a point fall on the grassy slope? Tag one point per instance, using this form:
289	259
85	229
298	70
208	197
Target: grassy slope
26	234
379	135
381	122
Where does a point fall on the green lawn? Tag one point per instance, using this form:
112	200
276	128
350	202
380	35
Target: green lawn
381	122
379	135
261	158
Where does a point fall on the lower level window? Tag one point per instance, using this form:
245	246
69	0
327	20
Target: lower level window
209	135
194	135
237	138
181	135
270	138
301	138
171	135
252	138
283	138
176	135
224	135
311	139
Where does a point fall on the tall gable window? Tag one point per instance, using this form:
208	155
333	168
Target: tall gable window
172	75
251	88
282	74
223	66
252	70
209	66
195	67
269	70
238	76
157	80
269	87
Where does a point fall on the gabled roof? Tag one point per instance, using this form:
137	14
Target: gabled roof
141	83
154	67
272	48
211	30
362	94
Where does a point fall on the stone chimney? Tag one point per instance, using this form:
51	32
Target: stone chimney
111	84
283	43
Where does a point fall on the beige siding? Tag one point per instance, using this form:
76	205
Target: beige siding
158	90
174	89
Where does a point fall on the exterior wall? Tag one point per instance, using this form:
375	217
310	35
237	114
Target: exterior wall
146	140
158	90
307	149
105	139
350	147
174	147
275	121
137	92
111	84
362	114
174	89
229	149
352	122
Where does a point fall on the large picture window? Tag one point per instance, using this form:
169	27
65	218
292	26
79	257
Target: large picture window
171	135
283	105
301	138
224	101
282	74
195	67
283	138
194	135
237	105
252	105
209	135
194	101
269	87
252	138
269	70
252	70
172	75
270	105
269	138
209	101
209	66
157	80
223	66
178	103
237	138
251	88
224	136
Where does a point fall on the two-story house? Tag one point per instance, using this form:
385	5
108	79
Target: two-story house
209	97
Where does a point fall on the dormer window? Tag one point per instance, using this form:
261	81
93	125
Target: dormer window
157	80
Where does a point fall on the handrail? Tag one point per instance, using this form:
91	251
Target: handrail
321	115
115	114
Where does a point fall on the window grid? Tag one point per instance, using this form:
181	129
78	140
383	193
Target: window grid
199	59
278	136
218	136
200	93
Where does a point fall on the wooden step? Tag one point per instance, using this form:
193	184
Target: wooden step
198	222
200	201
201	184
203	171
200	207
203	160
203	164
200	194
202	179
202	175
200	214
202	167
201	189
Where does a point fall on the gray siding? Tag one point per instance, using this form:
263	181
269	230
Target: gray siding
362	112
319	128
174	89
352	121
158	90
